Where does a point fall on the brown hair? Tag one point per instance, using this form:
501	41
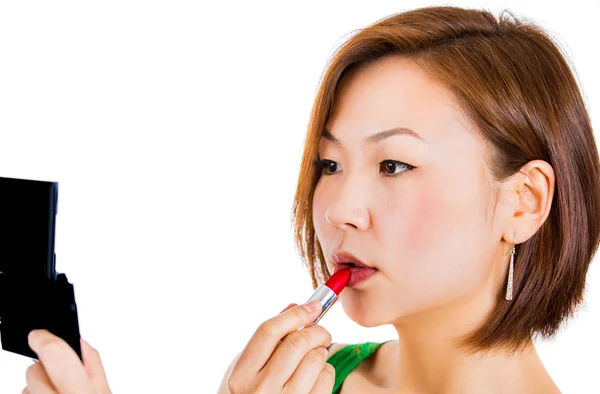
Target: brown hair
516	88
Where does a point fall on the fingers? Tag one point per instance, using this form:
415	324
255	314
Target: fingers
267	336
307	373
61	363
291	352
325	382
94	368
284	309
38	381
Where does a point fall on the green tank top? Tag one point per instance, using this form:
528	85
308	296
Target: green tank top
348	358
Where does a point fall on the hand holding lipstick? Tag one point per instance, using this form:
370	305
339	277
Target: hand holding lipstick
288	353
280	358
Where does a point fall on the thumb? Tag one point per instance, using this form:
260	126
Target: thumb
288	307
93	366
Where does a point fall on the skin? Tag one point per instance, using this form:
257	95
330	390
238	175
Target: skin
59	369
286	354
437	235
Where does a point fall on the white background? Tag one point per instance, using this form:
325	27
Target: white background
175	131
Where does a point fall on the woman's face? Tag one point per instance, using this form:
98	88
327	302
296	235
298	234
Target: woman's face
431	232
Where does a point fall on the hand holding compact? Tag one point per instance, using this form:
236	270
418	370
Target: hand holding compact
59	370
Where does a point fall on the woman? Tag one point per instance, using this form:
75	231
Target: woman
452	153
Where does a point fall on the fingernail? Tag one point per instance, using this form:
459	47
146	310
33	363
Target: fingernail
311	306
283	310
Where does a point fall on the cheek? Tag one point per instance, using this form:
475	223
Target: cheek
432	234
318	213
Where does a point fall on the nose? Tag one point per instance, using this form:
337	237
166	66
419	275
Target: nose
348	212
358	219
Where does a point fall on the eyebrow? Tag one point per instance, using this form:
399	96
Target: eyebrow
377	137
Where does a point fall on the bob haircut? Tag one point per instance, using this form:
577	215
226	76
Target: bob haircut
514	87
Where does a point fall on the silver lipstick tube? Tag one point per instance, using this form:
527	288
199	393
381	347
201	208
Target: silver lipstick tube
326	297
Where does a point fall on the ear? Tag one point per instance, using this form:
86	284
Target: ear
529	194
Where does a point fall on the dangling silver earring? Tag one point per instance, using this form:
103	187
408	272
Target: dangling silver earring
509	286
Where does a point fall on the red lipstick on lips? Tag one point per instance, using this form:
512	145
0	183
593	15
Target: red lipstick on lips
359	271
328	292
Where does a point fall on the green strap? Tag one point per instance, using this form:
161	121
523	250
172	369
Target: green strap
348	358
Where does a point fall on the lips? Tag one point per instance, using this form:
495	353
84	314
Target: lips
359	271
347	260
350	266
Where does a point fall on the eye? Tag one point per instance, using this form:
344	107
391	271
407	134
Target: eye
326	165
389	167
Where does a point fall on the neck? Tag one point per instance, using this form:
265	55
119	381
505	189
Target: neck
429	360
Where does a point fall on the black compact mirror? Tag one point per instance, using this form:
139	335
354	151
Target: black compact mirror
32	294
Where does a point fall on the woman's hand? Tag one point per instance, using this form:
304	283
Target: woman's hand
59	370
279	358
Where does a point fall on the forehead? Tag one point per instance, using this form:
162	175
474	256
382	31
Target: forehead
393	92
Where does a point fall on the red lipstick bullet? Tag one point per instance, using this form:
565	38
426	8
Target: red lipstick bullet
327	294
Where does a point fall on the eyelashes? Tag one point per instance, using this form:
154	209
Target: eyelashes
387	167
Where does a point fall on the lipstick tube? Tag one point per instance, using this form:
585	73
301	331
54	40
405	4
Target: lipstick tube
328	292
326	297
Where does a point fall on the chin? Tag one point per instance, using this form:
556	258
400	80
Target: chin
368	321
362	313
